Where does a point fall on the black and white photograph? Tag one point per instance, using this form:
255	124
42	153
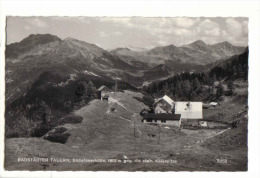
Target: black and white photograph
126	93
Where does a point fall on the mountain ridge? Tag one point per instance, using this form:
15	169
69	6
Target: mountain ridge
197	52
38	53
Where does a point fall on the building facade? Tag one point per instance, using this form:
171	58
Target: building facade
162	118
191	113
104	93
163	105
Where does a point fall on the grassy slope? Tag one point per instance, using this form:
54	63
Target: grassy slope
233	142
105	134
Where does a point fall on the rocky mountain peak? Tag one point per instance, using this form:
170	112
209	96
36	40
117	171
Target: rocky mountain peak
39	39
199	42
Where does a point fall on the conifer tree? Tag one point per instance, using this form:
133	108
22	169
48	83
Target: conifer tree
220	90
231	87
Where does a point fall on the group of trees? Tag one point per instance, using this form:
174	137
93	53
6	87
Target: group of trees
187	86
182	86
235	66
85	92
41	110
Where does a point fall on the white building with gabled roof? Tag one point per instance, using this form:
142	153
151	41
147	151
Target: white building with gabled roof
163	105
190	111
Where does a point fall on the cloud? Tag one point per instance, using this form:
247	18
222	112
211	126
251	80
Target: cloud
37	22
182	32
117	33
154	30
208	28
162	42
80	19
185	22
210	40
208	24
26	27
234	27
213	32
165	31
236	31
102	34
117	21
245	27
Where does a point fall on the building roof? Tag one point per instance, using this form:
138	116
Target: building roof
102	88
162	116
165	98
189	110
164	108
213	103
206	105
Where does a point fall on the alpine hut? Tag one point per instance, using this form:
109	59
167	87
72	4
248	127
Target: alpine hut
104	93
162	118
191	113
163	105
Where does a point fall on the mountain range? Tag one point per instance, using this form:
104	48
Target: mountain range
72	59
197	52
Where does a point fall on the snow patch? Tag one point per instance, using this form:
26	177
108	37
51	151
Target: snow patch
62	84
94	74
8	71
9	80
90	73
15	60
76	71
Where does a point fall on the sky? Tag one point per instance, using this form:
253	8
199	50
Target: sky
142	32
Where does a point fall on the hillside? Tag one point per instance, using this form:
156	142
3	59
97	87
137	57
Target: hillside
51	96
207	85
38	53
16	49
118	133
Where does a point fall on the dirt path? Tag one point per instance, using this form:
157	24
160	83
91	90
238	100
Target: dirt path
113	100
126	119
221	132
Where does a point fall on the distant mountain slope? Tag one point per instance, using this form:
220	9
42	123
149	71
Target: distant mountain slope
225	49
197	53
133	48
198	86
170	52
15	49
234	67
160	70
199	45
26	60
